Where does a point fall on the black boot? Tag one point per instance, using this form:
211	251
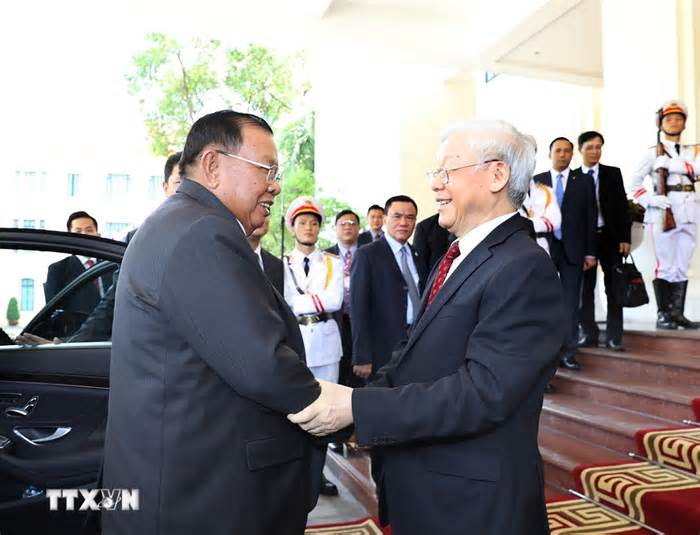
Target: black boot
662	291
328	488
678	292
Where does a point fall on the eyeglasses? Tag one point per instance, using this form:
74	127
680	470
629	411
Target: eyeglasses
273	171
443	175
347	223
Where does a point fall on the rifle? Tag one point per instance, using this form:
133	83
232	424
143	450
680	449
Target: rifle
669	223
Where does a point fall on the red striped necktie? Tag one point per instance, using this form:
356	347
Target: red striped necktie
444	268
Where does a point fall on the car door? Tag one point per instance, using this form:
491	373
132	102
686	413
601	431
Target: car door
53	396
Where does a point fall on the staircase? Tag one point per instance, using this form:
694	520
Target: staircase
594	413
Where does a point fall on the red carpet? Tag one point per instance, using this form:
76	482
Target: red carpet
662	498
575	516
364	526
677	447
696	409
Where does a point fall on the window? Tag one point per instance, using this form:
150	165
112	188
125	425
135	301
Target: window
15	223
154	185
116	231
490	75
72	185
42	224
29	223
27	301
118	184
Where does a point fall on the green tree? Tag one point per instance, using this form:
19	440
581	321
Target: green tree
12	312
174	82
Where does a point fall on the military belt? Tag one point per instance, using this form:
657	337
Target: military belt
310	319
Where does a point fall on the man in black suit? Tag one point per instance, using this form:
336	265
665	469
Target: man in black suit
347	229
375	220
63	272
613	240
431	241
270	264
449	410
385	286
207	358
573	246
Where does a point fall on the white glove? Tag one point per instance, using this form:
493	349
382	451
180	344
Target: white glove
661	161
659	201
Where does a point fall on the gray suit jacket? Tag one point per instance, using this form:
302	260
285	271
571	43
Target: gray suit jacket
207	361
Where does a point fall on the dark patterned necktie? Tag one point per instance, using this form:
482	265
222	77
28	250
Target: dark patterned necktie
452	253
306	266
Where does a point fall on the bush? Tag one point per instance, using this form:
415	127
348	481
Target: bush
12	312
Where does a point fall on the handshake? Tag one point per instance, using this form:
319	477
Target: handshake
331	411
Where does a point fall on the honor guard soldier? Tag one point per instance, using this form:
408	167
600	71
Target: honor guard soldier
313	288
673	246
541	207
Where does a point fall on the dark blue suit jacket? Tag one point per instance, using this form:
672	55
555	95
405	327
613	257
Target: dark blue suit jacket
378	297
579	215
458	408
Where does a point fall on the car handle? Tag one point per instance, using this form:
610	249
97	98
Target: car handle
58	432
22	412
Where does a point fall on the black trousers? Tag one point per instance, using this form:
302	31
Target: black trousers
346	377
570	277
609	256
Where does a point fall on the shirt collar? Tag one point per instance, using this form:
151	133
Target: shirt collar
564	173
342	250
395	246
586	169
474	237
298	255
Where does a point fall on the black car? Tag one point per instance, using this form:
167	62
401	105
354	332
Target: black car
53	396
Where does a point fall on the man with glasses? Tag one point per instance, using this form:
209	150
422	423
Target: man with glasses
207	359
455	413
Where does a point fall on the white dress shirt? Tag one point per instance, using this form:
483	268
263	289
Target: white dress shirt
564	179
258	253
474	237
396	249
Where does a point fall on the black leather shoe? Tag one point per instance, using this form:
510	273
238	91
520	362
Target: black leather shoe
587	341
328	488
336	447
549	389
614	346
570	363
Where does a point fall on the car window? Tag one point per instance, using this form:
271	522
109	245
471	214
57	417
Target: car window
30	280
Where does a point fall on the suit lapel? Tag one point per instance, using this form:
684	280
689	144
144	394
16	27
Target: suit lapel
469	265
389	253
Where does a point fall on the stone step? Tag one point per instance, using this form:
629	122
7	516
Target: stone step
561	453
664	342
642	365
604	425
671	402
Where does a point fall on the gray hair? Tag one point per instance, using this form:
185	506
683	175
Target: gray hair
499	140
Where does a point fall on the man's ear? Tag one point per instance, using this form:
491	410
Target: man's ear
211	169
499	179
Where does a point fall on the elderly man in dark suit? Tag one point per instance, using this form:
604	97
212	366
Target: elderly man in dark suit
456	412
385	286
613	229
572	247
207	358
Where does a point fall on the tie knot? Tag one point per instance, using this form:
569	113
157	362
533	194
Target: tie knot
90	262
453	252
348	254
590	172
560	176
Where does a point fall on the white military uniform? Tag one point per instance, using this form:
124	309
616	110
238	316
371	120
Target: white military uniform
322	293
541	207
673	248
